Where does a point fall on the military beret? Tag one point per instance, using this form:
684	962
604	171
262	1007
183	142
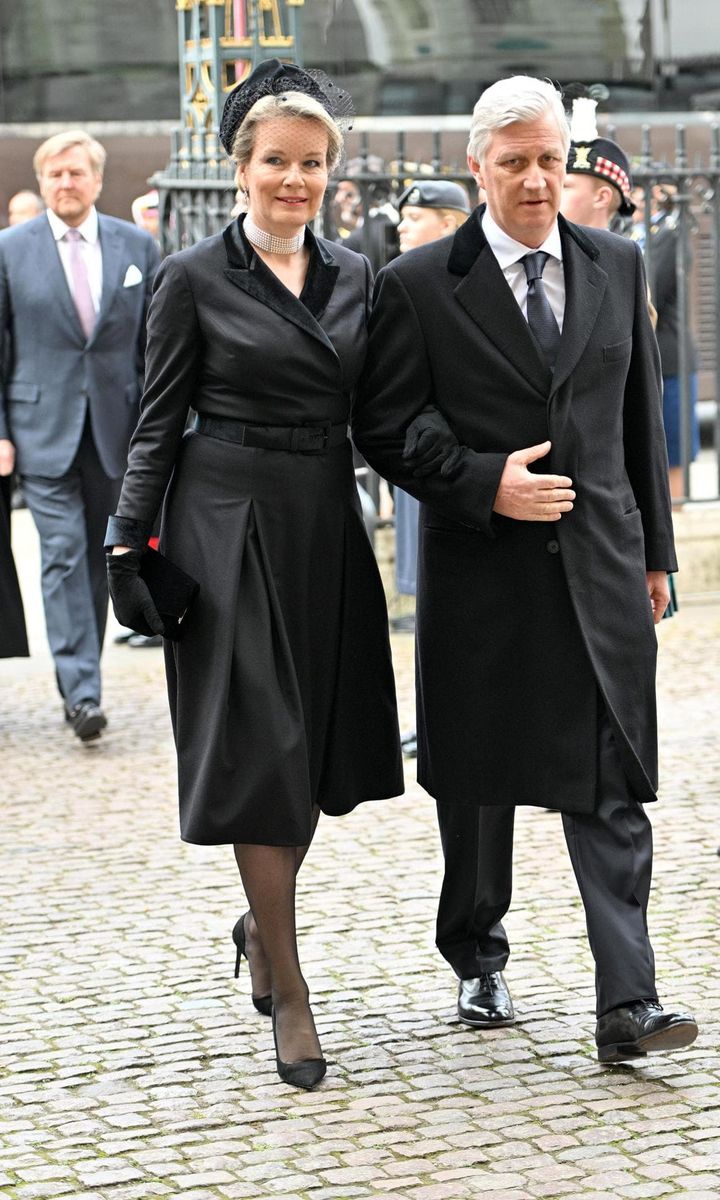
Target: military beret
435	193
605	160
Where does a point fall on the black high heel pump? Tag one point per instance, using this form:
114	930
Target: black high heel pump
262	1003
304	1072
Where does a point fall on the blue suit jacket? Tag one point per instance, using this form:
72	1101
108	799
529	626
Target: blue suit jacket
50	376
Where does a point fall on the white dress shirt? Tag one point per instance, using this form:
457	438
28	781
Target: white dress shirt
508	252
89	248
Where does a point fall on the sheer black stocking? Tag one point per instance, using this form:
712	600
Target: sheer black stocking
268	875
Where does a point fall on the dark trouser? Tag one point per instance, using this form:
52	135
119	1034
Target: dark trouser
71	515
611	854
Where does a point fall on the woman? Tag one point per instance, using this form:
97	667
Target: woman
431	209
281	690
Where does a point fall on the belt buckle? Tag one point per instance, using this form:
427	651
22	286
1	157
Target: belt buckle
311	439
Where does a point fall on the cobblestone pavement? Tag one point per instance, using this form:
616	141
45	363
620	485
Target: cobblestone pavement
133	1064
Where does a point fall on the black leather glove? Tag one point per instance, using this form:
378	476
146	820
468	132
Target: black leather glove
131	600
431	445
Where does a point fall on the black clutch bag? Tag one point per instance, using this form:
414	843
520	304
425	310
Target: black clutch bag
172	590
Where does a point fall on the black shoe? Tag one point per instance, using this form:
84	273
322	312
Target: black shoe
87	719
262	1003
408	743
633	1030
485	1001
141	641
304	1072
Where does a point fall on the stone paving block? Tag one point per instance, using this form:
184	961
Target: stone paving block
201	1179
239	1190
44	1191
108	1176
341	1176
202	1193
553	1189
38	1174
645	1191
84	1195
347	1191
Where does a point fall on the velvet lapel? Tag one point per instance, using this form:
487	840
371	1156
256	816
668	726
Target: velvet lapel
49	267
585	284
248	272
485	295
112	248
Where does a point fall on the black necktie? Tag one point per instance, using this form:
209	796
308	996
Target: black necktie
541	318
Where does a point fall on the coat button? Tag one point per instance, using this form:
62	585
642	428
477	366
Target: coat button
553	547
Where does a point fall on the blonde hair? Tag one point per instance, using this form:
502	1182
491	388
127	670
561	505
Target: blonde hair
520	98
288	104
60	142
457	214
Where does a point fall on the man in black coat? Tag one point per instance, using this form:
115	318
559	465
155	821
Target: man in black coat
512	384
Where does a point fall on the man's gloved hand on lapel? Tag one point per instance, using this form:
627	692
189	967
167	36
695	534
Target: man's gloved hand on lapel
132	603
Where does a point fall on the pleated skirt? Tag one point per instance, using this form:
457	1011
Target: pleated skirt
281	691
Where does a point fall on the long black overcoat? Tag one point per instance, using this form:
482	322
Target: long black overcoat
281	689
523	626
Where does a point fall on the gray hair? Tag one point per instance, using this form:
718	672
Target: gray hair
520	98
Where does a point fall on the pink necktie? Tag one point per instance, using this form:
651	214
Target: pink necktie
81	284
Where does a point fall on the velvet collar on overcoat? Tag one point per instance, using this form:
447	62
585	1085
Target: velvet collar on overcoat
484	294
247	271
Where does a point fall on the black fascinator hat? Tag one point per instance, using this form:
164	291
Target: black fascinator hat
274	78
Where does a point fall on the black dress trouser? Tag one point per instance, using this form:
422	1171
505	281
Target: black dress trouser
611	854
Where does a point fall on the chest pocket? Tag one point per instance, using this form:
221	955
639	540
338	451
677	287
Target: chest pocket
618	351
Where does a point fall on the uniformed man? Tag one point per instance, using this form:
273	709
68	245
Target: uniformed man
597	182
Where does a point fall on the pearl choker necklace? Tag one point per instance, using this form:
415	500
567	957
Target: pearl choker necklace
270	243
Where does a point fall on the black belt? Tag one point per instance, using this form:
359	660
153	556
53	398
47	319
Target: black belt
298	439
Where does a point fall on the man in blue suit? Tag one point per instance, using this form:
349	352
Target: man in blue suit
74	291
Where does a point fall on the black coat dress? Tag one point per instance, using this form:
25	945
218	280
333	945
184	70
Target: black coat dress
281	690
522	626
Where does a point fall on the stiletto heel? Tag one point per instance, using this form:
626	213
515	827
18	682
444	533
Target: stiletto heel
304	1072
262	1003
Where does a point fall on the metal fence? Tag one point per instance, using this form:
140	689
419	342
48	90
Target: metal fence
197	194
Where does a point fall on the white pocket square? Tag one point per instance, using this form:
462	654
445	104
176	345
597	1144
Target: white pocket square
133	275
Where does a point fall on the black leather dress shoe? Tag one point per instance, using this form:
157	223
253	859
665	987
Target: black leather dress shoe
143	641
636	1029
408	743
485	1001
87	719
